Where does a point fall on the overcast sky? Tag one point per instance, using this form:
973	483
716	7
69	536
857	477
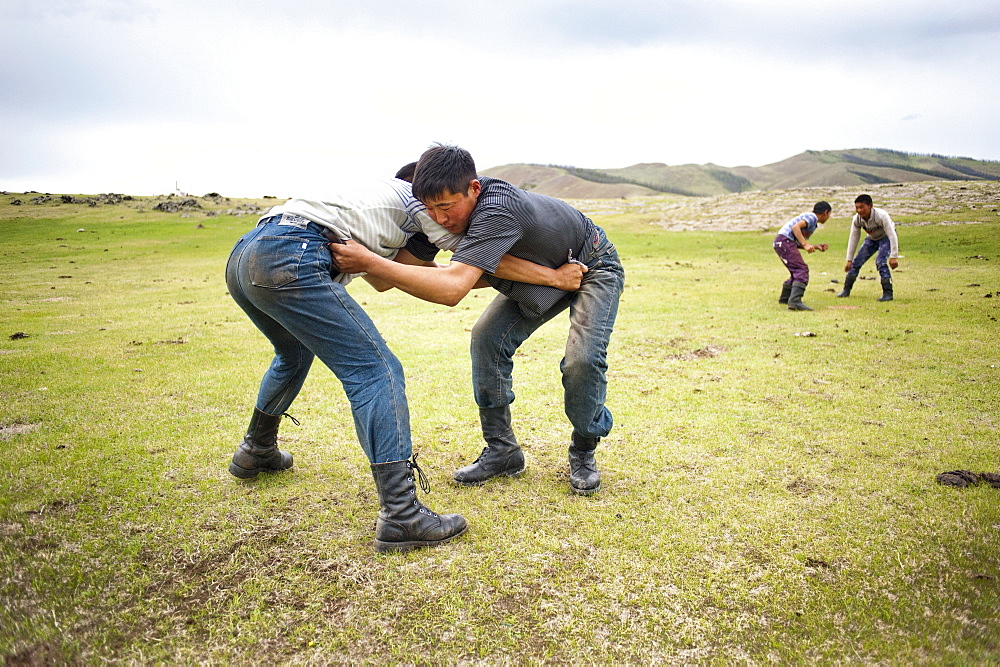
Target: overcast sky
253	98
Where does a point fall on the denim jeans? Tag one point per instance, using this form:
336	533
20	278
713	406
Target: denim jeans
279	274
869	248
592	310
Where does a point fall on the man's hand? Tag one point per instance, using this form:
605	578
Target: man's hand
822	247
810	248
893	262
569	276
351	257
847	266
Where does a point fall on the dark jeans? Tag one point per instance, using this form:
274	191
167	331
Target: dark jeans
592	311
869	248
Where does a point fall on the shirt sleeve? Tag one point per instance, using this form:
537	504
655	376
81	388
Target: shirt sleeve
890	231
852	240
492	232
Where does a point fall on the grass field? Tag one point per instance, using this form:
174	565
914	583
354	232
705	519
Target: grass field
768	496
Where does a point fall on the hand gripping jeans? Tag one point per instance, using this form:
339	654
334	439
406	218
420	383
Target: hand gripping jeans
592	311
279	274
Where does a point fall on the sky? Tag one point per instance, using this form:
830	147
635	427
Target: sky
251	98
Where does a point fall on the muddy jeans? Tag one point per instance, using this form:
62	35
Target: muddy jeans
592	311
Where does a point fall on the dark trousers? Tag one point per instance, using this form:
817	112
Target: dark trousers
790	254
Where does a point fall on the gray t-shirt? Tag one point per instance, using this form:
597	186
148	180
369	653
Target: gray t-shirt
508	220
535	227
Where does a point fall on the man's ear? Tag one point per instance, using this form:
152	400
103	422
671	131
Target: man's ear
475	187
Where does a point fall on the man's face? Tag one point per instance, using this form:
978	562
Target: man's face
824	216
452	211
864	210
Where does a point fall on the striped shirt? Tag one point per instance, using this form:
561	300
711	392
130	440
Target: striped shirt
381	215
528	225
878	226
812	222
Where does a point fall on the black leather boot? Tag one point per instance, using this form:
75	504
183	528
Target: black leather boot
795	300
848	285
584	477
259	450
786	291
501	456
886	290
403	522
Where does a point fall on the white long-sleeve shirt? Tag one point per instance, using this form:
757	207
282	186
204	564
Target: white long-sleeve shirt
878	226
381	215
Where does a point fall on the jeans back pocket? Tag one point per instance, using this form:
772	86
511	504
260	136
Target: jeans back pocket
273	261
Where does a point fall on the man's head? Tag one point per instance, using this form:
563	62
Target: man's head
405	172
822	210
445	181
863	205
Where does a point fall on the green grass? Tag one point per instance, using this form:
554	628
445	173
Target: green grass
767	496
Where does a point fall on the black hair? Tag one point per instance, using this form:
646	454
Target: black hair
864	199
405	172
443	169
822	207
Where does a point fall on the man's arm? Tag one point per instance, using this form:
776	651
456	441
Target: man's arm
404	256
852	244
567	277
797	231
890	231
446	285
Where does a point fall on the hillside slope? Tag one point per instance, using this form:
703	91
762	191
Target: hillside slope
846	168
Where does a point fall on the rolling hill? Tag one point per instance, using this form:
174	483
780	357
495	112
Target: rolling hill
844	168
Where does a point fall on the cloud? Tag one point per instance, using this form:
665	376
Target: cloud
223	94
115	11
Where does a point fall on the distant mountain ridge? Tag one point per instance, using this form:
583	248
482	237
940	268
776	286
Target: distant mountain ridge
855	167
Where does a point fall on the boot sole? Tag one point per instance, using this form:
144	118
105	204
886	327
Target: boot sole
508	473
243	473
585	492
403	547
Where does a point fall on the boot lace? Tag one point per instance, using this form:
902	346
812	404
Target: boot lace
425	486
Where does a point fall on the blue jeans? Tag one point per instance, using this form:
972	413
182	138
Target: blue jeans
279	274
869	248
592	310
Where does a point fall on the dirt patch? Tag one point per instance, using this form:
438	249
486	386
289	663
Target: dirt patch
801	487
8	431
707	352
